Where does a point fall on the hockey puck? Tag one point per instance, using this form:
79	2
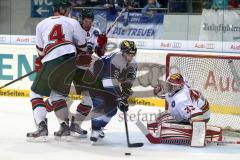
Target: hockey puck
128	154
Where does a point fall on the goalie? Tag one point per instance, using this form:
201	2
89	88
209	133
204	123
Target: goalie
185	120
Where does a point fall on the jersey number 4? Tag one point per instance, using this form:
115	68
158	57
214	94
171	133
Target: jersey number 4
56	33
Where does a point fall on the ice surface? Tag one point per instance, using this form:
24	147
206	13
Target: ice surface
16	121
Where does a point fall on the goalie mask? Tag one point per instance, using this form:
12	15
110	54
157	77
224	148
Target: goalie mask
174	83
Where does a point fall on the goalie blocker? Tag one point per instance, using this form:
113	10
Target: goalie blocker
167	131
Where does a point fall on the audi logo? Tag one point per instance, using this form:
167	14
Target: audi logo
176	45
140	43
210	46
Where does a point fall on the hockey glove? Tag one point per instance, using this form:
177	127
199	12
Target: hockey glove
127	92
83	59
126	89
38	63
102	40
123	105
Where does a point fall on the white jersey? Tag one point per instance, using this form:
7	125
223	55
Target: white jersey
88	39
55	36
187	103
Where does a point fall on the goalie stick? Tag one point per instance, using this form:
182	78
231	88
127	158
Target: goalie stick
130	145
150	137
26	75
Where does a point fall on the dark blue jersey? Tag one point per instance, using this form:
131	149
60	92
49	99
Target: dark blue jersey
113	70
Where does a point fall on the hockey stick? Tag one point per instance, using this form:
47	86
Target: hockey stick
26	75
117	18
130	145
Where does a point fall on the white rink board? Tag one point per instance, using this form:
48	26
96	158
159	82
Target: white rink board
17	60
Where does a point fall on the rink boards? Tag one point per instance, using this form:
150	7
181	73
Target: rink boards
17	60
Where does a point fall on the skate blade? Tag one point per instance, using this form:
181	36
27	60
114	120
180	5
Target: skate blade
63	138
41	139
77	135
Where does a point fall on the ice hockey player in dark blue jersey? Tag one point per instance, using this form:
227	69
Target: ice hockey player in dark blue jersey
116	73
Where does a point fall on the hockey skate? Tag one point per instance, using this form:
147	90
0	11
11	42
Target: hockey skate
63	133
40	135
76	129
95	135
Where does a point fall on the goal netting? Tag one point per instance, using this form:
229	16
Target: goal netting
217	78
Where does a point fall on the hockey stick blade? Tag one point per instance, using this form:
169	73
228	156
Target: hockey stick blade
150	137
130	145
135	145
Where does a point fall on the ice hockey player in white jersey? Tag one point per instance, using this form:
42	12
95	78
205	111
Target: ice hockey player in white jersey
114	76
185	120
92	41
54	42
184	103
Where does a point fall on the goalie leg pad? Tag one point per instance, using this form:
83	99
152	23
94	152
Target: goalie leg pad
154	127
176	131
214	133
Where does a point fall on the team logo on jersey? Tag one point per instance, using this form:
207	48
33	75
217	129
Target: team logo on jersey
88	34
173	104
95	33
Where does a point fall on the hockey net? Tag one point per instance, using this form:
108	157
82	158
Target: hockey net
218	79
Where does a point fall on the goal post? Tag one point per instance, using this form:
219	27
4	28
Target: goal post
217	77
